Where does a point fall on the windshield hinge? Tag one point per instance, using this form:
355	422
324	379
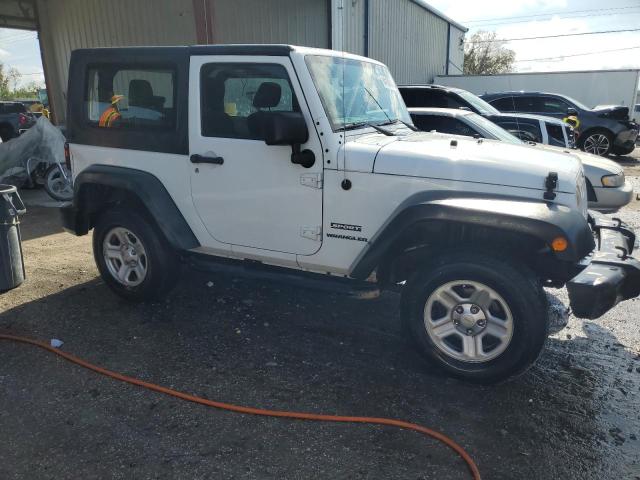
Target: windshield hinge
313	180
312	233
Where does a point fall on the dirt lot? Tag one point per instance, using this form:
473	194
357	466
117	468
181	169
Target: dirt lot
573	416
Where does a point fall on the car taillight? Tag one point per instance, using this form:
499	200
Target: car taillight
22	119
67	156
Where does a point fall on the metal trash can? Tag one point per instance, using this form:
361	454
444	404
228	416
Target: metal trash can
11	262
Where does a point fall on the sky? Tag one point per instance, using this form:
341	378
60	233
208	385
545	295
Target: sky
19	49
554	17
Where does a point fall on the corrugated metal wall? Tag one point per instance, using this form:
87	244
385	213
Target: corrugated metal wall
354	19
69	24
298	22
409	39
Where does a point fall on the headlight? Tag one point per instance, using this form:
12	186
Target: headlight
613	180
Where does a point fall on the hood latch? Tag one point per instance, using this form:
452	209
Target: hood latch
551	183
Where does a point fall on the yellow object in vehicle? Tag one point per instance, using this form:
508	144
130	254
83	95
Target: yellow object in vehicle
572	120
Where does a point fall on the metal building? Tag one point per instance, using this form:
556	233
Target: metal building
416	41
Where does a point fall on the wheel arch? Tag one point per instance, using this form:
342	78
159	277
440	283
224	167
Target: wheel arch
100	187
524	227
590	130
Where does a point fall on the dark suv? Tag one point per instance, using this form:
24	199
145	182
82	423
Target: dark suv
601	130
14	119
535	128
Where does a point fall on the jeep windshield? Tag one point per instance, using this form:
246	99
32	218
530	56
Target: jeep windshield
356	93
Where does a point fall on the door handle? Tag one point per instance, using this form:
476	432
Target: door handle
197	158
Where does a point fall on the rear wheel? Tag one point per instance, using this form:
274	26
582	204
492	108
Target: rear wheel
476	316
133	258
598	142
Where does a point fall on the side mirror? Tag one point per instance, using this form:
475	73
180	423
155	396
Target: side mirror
285	128
572	111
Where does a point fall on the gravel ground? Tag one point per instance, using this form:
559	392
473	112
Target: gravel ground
572	416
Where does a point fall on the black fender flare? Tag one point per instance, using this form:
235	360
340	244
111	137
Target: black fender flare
147	188
539	219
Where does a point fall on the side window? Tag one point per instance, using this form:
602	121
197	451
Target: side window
526	104
504	104
130	98
233	96
556	135
461	128
426	123
554	105
524	130
442	124
453	101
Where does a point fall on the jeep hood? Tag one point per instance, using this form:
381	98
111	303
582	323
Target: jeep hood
491	162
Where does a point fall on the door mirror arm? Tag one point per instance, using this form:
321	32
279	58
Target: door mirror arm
304	158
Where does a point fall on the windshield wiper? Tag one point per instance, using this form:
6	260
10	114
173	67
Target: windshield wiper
352	126
406	124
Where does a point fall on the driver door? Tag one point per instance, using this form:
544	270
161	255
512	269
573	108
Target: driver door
249	194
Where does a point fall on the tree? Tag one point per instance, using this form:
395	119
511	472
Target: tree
9	88
486	55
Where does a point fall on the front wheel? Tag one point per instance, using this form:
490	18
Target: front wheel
133	257
476	316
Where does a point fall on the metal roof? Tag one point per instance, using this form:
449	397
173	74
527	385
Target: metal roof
438	13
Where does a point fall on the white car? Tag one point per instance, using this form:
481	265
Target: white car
301	165
607	188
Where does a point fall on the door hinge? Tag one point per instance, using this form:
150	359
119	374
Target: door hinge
313	180
312	233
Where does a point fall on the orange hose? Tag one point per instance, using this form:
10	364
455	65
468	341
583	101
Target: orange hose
254	411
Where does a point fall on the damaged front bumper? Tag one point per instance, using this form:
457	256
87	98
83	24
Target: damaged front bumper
609	274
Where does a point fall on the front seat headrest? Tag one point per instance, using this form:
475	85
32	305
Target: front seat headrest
268	95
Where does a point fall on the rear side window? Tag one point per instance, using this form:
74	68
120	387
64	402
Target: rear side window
527	104
233	95
425	97
122	97
504	104
556	136
12	108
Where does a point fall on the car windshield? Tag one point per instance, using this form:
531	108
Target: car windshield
492	130
355	93
476	102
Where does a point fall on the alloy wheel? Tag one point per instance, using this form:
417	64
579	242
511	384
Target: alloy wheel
597	144
125	257
468	321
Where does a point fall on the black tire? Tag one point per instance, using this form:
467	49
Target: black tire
53	174
162	263
514	282
592	137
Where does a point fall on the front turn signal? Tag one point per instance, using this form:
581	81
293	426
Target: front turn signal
559	244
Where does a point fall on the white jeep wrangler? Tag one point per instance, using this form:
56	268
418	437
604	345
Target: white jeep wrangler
302	165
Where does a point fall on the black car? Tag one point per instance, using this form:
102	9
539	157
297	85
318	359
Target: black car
539	129
601	130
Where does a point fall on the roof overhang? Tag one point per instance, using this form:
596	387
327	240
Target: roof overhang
20	14
438	13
